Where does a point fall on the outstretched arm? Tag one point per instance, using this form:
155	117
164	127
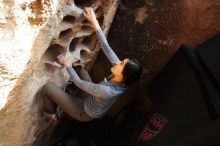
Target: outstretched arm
110	54
96	90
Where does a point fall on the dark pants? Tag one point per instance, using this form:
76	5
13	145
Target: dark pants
73	106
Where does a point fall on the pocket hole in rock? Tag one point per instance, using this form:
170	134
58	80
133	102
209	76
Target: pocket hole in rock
53	51
84	54
86	23
84	3
66	34
77	62
88	29
99	12
72	46
69	19
100	20
90	41
50	56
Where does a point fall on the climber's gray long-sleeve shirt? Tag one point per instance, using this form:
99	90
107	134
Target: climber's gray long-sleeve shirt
104	94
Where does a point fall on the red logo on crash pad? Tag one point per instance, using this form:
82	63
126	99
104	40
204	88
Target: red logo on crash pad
153	127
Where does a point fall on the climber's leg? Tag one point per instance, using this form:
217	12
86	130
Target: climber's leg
71	105
84	75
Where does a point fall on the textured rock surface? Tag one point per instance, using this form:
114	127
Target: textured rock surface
149	30
32	34
152	31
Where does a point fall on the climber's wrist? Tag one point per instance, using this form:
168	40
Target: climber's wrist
96	25
67	64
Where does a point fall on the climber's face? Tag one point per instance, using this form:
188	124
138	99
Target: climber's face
117	69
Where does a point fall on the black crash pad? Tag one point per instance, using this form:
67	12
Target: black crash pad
209	52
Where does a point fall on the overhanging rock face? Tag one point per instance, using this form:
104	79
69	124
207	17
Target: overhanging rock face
33	33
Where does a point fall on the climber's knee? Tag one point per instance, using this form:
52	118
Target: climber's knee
48	87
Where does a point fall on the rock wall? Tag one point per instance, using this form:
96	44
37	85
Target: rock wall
32	34
152	31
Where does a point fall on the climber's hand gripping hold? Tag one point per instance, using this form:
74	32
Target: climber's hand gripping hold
91	17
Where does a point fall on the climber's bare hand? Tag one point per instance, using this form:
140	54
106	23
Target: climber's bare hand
91	17
62	60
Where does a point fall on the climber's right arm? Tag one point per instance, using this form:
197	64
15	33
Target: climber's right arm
91	17
96	90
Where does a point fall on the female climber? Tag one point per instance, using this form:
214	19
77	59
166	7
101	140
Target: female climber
98	98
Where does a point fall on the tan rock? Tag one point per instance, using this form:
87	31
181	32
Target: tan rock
32	34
